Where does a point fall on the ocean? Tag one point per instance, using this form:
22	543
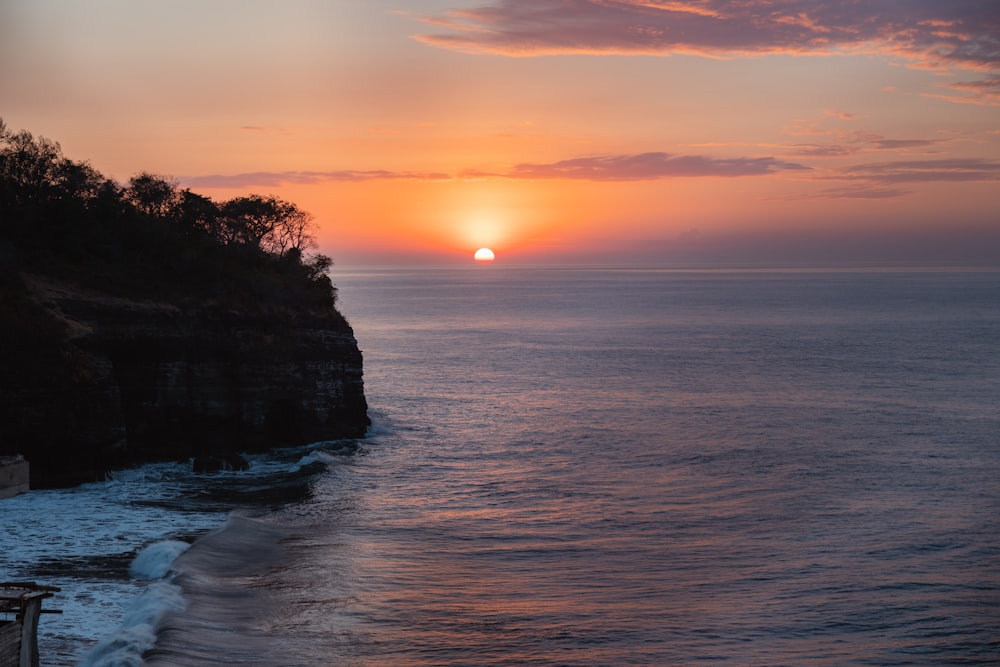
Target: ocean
583	467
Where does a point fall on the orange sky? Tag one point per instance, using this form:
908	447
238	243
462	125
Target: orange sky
593	132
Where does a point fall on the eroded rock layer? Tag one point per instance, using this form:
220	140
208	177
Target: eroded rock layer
92	382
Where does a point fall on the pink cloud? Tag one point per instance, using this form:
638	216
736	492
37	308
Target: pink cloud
931	33
916	171
648	166
882	180
822	150
840	115
981	91
276	178
862	191
869	180
856	141
643	166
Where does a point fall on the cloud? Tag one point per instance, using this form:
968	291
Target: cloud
643	166
822	150
981	91
885	180
840	115
929	33
647	166
846	143
862	191
896	144
918	171
868	180
276	178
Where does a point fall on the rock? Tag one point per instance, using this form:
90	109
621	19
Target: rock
224	462
92	382
13	476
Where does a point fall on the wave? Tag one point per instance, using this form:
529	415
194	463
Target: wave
206	602
156	560
137	632
224	577
379	424
198	579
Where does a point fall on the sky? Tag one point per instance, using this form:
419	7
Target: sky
648	132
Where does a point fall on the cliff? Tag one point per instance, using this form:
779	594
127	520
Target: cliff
92	381
142	321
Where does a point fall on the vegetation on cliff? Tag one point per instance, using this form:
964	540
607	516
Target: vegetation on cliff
143	321
149	237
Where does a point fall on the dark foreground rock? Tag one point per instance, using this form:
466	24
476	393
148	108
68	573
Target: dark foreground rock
220	463
91	382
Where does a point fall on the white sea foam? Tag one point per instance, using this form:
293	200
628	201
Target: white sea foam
81	540
330	452
317	456
154	561
137	633
379	425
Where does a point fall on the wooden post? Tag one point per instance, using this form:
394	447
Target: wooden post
29	632
20	637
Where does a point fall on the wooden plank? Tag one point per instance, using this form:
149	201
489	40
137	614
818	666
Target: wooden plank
10	642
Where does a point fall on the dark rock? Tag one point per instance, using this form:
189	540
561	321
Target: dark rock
224	462
90	382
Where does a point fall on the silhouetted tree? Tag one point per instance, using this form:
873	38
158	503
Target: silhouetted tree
65	218
80	182
247	220
293	231
318	265
266	222
153	196
198	215
28	167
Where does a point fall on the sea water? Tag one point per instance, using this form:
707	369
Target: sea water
579	467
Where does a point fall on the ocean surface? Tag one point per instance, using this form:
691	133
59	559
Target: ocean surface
579	467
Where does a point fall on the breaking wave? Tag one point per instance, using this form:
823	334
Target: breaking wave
137	632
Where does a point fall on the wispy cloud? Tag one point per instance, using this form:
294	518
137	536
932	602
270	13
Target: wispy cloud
269	130
822	150
840	115
626	167
277	178
886	180
981	91
917	171
868	180
928	33
861	191
648	166
843	142
898	144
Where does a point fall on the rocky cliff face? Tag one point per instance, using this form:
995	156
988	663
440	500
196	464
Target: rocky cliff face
106	382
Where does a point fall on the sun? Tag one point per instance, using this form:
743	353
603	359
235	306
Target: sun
484	256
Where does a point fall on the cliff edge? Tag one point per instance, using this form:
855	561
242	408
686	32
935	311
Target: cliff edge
142	322
92	382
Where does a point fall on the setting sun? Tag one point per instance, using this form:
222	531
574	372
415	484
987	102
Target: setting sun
484	256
